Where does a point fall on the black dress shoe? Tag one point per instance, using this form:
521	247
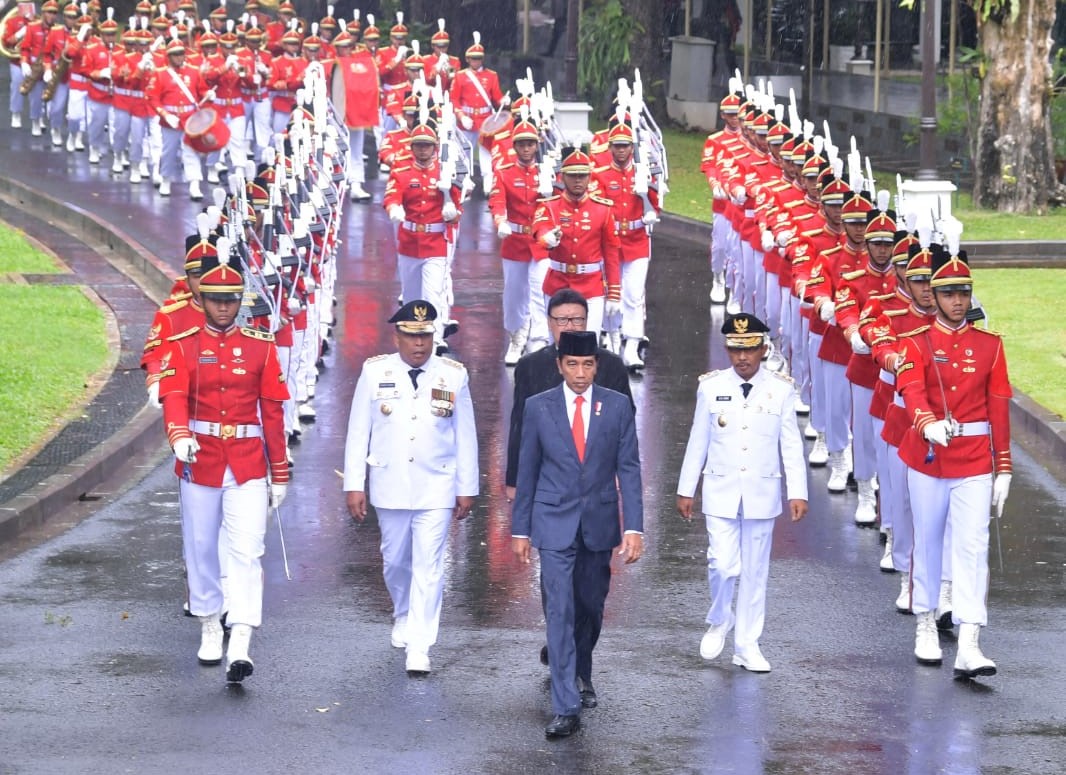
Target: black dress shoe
588	696
543	654
562	726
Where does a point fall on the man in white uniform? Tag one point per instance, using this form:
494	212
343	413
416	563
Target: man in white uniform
744	416
412	425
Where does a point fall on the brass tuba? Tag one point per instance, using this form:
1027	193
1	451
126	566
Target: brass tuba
59	72
9	53
36	74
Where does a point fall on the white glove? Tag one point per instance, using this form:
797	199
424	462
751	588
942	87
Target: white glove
20	34
171	120
277	494
611	308
937	432
504	230
84	30
49	76
153	396
401	53
257	79
552	238
232	62
261	68
785	237
718	192
450	212
27	71
767	241
466	122
1000	490
145	63
740	194
506	101
209	95
858	346
650	218
397	214
105	74
826	311
294	306
185	450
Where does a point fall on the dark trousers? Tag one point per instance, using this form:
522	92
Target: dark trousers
574	584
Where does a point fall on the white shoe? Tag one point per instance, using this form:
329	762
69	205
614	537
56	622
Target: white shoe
838	473
399	632
903	601
195	194
57	138
306	412
802	408
733	307
79	141
614	342
143	169
718	288
886	564
357	193
926	641
516	344
713	641
809	432
417	663
819	455
164	187
211	634
943	607
238	664
970	662
35	127
116	165
310	390
16	121
94	156
630	355
212	175
135	176
866	511
70	143
751	659
125	160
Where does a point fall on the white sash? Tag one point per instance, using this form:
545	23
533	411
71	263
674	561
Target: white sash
479	87
181	85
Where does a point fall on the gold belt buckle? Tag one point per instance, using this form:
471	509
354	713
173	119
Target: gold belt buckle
228	432
571	268
420	228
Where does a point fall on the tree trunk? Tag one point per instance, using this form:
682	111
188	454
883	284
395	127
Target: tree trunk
646	52
1014	170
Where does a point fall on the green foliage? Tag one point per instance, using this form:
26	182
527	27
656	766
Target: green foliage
18	255
604	44
1058	103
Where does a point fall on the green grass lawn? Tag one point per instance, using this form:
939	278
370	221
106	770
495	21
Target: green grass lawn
53	339
690	196
1017	303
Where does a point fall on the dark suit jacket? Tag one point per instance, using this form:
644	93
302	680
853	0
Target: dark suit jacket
557	494
538	372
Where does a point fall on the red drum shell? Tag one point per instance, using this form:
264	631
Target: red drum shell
206	131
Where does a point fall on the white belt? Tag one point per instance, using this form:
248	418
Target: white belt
78	78
229	102
971	429
518	228
225	431
888	377
392	86
129	93
425	228
576	268
629	225
475	111
282	93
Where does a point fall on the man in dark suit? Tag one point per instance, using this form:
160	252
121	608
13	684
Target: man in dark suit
538	371
579	447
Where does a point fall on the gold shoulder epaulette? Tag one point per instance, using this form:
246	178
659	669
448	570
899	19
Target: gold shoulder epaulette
255	333
173	306
988	331
915	332
376	358
549	198
506	166
708	374
183	334
784	377
811	232
402	169
602	200
855	275
452	362
895	313
602	168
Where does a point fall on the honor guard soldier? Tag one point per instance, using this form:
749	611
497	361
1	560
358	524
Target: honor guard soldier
412	426
743	433
513	202
391	61
13	34
362	89
34	64
222	388
954	382
578	230
439	63
286	76
254	67
475	93
57	72
100	56
570	490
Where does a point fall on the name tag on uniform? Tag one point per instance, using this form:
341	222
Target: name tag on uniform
723	398
208	359
940	358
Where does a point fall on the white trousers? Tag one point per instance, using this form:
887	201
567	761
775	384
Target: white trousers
15	99
241	511
759	283
356	165
412	553
538	307
57	107
900	512
799	362
739	549
429	279
634	280
77	110
719	236
286	361
837	398
257	116
237	147
98	121
483	156
951	516
864	437
177	157
518	294
817	377
773	304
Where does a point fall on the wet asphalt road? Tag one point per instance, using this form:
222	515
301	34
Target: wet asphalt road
97	665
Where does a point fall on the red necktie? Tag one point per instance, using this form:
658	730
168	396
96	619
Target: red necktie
578	428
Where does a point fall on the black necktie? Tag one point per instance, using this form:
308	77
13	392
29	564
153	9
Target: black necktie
414	376
746	387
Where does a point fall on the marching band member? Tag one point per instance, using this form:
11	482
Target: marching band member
475	93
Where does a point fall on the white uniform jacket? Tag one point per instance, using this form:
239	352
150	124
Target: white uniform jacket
420	447
738	444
